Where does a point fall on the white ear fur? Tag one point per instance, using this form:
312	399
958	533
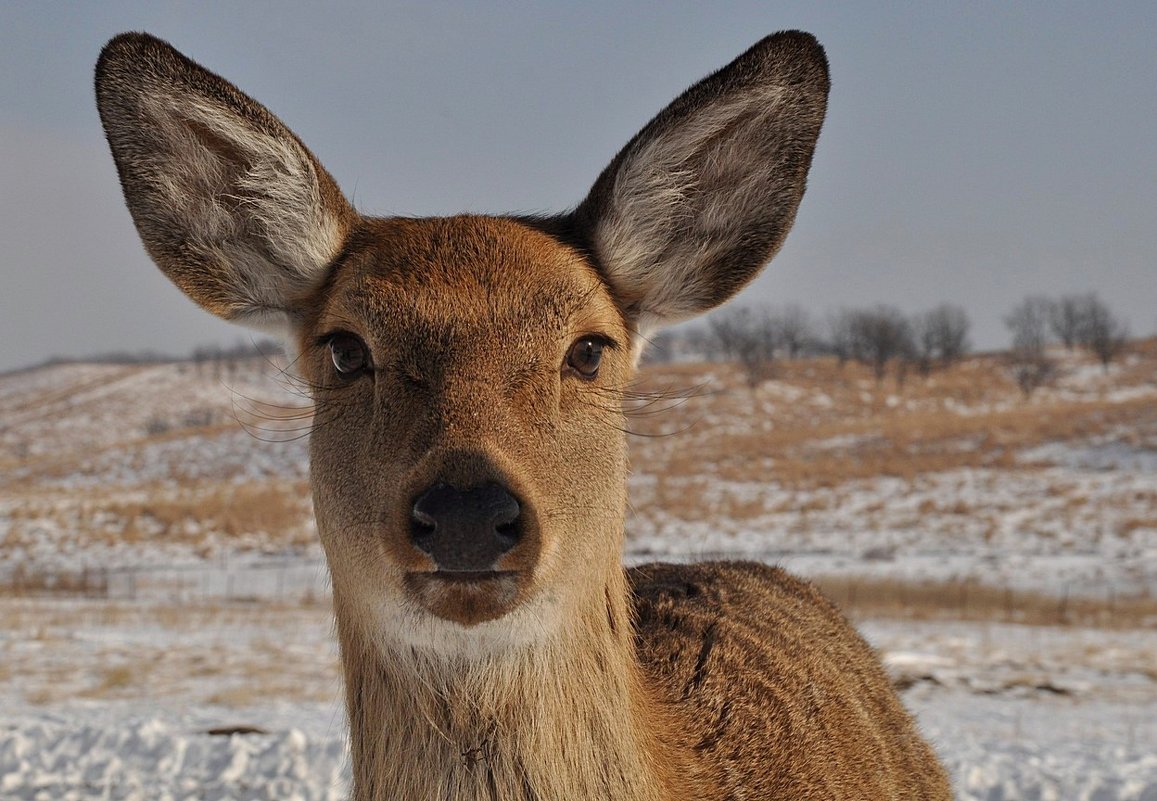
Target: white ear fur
257	213
228	202
704	195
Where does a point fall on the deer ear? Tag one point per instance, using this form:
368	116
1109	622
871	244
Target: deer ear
229	203
700	199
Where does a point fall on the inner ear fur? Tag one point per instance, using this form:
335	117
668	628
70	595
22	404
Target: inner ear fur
228	201
704	195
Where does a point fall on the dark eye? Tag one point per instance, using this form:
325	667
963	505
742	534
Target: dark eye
349	354
585	355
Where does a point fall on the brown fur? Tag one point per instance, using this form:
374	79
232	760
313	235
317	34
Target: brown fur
777	689
563	676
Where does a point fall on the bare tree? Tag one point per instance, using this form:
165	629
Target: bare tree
841	335
1028	356
702	342
923	344
794	331
880	335
1029	323
1067	319
747	337
1103	333
939	337
948	328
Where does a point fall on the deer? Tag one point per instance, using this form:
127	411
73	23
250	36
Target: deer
469	459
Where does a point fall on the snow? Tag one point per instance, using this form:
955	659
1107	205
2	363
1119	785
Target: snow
1015	712
994	749
999	527
200	630
156	760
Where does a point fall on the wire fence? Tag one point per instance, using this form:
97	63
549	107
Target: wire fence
280	580
306	580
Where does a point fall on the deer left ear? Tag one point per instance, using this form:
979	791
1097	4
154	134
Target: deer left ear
229	203
700	199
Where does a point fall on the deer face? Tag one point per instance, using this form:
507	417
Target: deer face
467	454
468	460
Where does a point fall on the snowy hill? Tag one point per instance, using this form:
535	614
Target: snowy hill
160	576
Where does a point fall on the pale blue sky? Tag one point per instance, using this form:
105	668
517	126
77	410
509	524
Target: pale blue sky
973	153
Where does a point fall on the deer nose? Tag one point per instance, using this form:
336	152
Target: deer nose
465	530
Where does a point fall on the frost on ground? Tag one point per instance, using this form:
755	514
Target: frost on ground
171	501
157	759
116	701
953	477
995	750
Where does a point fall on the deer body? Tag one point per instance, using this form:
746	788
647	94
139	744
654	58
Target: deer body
468	460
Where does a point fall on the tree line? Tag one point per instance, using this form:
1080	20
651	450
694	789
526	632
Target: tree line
1074	321
886	339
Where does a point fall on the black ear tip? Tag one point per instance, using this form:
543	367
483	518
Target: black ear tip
129	44
125	50
799	41
799	49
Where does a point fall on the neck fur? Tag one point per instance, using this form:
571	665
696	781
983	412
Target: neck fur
568	718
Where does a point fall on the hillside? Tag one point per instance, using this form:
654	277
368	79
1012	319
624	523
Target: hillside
952	477
161	582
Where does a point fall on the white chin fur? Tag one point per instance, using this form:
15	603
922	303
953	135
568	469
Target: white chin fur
407	628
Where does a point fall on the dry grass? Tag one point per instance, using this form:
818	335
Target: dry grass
864	598
57	650
1137	523
25	582
46	618
207	515
819	425
113	681
225	509
815	428
254	692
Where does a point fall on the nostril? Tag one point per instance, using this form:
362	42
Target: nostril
423	520
465	529
507	535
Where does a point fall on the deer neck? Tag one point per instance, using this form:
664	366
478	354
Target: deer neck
569	719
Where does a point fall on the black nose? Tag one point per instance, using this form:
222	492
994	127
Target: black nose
465	530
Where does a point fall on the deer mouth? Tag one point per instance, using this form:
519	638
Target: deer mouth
466	596
471	576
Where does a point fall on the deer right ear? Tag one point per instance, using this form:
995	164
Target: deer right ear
229	203
700	199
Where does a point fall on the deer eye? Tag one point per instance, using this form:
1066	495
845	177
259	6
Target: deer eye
350	355
585	355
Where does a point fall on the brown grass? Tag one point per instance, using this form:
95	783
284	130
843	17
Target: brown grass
113	681
252	693
46	618
225	509
24	582
971	415
1136	523
205	514
863	598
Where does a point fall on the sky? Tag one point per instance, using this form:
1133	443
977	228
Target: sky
974	153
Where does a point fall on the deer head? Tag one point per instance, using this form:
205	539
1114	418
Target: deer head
468	460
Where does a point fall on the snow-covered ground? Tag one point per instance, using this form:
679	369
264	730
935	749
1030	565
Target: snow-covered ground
146	701
1007	749
215	621
1006	528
